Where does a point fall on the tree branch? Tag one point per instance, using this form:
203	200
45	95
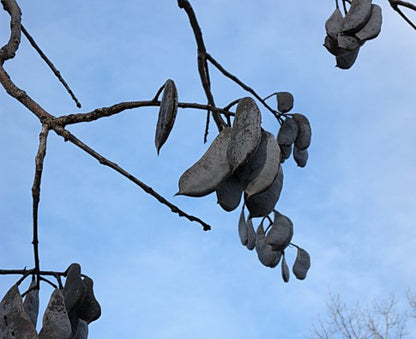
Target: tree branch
395	5
8	51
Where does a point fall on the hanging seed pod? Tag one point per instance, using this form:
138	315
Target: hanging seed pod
208	172
82	330
332	46
345	61
229	193
56	322
302	264
349	43
265	253
334	23
300	156
14	322
74	287
287	132
284	101
251	234
262	204
89	309
246	133
285	151
281	232
242	228
31	303
357	16
373	27
303	139
269	171
285	269
167	114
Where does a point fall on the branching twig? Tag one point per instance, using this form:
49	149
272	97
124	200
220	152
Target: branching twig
51	65
102	160
8	51
395	5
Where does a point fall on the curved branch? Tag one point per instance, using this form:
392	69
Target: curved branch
8	51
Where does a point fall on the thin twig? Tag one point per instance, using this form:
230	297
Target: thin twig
40	157
31	271
48	281
51	65
102	160
395	5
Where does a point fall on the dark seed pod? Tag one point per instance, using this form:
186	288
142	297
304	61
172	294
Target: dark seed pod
285	269
246	133
373	27
167	114
31	303
285	150
300	156
89	309
251	235
287	132
332	46
262	204
281	232
56	322
345	61
81	330
267	256
303	139
74	288
357	16
302	264
334	23
229	193
284	101
14	322
348	43
242	228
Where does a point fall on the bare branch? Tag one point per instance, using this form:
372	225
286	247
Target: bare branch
395	5
8	51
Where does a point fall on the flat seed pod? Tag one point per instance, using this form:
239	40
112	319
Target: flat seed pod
281	232
246	133
251	235
208	172
269	171
286	151
14	322
56	322
31	303
242	228
82	330
300	156
262	204
373	27
287	132
345	61
265	253
347	42
285	269
303	139
357	16
284	101
334	23
167	114
252	168
89	309
74	288
332	46
302	264
229	193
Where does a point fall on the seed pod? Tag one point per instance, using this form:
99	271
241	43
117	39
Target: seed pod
261	204
357	16
31	303
287	132
252	168
229	192
300	156
285	151
208	172
251	235
14	322
334	23
285	269
303	139
280	233
167	114
345	61
74	288
269	171
373	27
242	228
56	322
89	309
82	330
332	46
349	43
246	133
265	253
284	101
302	264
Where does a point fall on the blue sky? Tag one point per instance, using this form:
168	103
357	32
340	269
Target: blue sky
160	276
